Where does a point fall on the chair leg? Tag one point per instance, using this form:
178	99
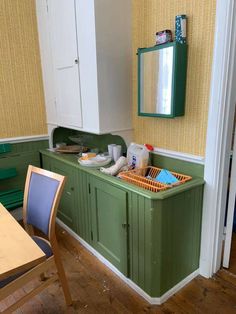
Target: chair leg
61	274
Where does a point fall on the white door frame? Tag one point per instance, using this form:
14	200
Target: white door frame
230	210
219	133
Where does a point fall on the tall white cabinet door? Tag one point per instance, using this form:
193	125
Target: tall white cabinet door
65	59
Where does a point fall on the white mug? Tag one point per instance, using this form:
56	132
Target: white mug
110	150
116	152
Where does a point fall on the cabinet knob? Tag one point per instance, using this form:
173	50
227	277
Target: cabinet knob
72	189
125	225
76	61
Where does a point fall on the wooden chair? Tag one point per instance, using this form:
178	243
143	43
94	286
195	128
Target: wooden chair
42	194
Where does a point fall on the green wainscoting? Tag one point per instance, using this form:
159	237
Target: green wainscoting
177	165
20	156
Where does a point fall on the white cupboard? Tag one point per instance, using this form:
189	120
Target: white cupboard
86	59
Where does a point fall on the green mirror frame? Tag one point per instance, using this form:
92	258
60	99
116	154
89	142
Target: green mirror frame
178	80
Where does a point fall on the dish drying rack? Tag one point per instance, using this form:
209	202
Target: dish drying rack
139	178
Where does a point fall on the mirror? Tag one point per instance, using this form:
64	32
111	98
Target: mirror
157	81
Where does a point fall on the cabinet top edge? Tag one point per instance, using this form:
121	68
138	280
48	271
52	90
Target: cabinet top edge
70	159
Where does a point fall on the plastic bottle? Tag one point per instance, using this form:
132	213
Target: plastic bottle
137	156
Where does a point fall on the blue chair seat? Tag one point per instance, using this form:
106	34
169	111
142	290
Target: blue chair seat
44	246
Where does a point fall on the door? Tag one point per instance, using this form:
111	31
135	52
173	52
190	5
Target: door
67	206
109	222
230	209
63	33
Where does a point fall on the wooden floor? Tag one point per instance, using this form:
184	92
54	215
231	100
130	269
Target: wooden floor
95	289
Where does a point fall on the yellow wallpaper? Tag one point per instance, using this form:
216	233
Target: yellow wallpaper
188	133
22	110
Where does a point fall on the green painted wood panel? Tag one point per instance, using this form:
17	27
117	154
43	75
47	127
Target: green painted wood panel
140	240
7	173
84	226
177	165
5	148
180	237
109	214
67	207
28	146
164	240
20	157
20	162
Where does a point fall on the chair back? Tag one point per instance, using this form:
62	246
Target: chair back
42	194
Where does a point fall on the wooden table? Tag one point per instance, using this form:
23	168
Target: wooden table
18	252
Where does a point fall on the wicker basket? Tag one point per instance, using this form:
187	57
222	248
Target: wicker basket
138	177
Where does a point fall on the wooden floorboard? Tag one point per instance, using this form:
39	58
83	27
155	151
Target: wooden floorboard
232	262
96	289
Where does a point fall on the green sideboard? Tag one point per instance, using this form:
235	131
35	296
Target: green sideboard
152	238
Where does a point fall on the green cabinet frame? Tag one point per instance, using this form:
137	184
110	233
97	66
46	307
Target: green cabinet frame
67	207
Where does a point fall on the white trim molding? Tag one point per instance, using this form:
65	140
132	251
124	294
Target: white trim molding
178	155
21	139
129	282
220	122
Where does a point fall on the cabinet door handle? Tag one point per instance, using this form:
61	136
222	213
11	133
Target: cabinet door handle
68	193
125	225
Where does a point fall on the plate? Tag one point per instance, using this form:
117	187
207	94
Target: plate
97	161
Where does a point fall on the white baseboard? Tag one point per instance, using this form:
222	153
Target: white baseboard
129	282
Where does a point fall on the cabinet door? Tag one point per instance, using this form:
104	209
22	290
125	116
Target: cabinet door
62	23
109	222
67	207
46	162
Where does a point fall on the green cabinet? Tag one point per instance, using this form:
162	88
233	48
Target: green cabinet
152	238
109	222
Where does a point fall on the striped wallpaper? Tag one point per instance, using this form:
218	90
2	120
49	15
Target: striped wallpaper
22	110
188	133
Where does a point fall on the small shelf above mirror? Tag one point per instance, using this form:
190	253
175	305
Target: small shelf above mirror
162	80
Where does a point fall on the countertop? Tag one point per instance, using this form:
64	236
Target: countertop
72	160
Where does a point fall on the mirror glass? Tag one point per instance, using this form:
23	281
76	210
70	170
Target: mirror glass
156	69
